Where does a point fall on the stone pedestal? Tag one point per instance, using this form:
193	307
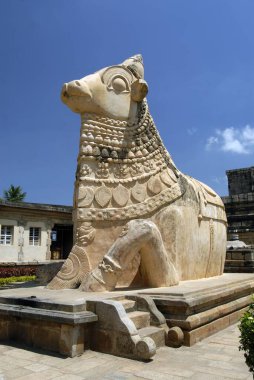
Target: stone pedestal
200	308
69	321
48	324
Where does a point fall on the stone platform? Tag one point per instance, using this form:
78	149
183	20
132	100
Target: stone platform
202	307
123	322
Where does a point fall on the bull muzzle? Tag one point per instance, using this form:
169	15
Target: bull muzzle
75	88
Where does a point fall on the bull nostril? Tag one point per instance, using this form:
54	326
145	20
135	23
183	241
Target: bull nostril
64	90
77	83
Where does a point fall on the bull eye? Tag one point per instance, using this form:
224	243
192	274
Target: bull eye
119	84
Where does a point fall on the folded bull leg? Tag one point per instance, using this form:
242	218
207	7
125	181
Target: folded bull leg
138	237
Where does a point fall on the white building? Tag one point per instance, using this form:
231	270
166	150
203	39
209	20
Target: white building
34	232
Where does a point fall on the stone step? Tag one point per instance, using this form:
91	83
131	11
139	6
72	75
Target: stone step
156	333
129	305
140	318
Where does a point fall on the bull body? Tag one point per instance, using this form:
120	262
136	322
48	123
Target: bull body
137	218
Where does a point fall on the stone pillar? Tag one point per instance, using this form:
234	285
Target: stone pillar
21	225
49	226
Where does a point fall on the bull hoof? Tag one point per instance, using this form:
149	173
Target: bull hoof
93	282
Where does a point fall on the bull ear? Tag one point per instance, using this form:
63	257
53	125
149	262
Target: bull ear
139	90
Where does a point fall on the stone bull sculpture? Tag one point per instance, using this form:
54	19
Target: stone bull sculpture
137	218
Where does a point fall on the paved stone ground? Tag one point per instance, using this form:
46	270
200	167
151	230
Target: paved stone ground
216	358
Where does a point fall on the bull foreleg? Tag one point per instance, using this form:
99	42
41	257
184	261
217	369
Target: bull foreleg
140	237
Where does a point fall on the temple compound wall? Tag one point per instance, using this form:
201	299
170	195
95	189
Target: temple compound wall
239	204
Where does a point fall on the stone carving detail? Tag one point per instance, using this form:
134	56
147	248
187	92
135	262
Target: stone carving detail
77	265
121	171
139	192
136	169
120	195
167	179
154	185
125	174
103	196
124	231
85	196
148	166
103	171
85	170
86	234
132	211
73	271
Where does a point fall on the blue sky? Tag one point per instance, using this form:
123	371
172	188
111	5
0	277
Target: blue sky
199	64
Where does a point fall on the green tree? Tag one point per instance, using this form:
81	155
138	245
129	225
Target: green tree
14	194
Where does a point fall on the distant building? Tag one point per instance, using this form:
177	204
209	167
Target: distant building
34	232
239	204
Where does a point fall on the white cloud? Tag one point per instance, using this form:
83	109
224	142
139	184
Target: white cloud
235	140
248	135
211	141
192	131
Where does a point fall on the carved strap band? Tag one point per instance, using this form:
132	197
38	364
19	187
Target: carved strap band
133	211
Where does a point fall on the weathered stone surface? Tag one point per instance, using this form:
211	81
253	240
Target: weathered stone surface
155	333
103	196
140	318
116	331
71	341
146	348
175	337
240	181
196	335
47	271
126	180
240	260
239	204
198	308
217	357
4	329
86	196
121	195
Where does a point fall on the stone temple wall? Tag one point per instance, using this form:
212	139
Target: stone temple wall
239	204
240	181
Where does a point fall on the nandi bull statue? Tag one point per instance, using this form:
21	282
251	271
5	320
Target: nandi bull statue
137	218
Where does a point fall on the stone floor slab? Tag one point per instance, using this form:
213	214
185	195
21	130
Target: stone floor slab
216	357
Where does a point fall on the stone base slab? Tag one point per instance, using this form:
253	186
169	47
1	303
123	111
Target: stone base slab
202	307
68	340
196	335
58	320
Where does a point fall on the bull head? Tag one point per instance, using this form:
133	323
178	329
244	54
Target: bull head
114	91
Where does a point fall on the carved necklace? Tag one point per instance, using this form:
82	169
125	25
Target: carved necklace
124	170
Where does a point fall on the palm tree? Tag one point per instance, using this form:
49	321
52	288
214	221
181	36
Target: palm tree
14	194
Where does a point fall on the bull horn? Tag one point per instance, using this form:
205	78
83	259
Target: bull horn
135	65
